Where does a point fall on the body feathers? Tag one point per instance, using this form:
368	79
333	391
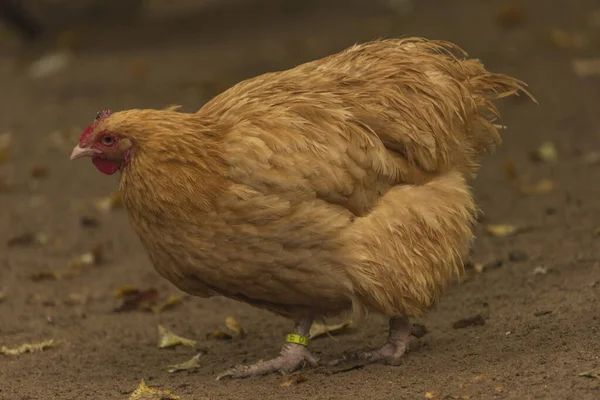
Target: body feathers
337	184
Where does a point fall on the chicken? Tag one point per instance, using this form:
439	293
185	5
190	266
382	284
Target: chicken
340	185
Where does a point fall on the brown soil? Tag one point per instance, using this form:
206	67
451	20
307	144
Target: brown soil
540	330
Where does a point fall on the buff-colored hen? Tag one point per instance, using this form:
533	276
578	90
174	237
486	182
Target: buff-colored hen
339	185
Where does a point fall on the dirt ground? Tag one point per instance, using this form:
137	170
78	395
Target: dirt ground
542	313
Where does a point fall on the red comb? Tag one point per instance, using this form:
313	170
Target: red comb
90	128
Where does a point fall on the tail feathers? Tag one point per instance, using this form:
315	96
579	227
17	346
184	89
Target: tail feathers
442	104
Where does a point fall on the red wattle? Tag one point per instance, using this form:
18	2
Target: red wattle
107	167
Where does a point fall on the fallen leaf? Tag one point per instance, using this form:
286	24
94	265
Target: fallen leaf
167	339
294	379
27	348
542	313
126	290
586	67
54	275
171	302
138	68
39	172
75	299
504	230
115	200
92	257
89	222
48	65
592	157
219	335
542	187
344	370
546	152
135	299
511	15
28	239
144	392
517	256
5	142
593	373
319	329
233	325
540	271
476	320
191	364
568	40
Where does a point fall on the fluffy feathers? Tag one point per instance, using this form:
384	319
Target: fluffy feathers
337	184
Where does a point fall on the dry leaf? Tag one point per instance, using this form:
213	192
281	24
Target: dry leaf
294	379
233	325
540	271
319	329
126	291
568	40
74	266
134	299
88	222
54	275
542	187
144	392
504	230
138	68
5	142
191	364
27	348
39	172
48	64
546	152
593	373
167	339
592	157
28	239
511	15
219	335
92	257
75	299
115	200
586	67
476	320
171	302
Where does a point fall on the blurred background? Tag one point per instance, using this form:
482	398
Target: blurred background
533	288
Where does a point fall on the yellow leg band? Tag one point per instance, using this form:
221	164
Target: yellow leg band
294	338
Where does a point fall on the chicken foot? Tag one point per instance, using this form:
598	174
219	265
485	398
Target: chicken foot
293	356
390	353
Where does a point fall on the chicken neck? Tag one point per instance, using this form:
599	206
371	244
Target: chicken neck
293	356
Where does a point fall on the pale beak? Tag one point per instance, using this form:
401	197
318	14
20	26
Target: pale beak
79	152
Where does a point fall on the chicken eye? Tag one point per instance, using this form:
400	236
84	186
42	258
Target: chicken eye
107	140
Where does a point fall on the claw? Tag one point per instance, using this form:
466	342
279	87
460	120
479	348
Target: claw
293	357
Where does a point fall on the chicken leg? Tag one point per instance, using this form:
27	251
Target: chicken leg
397	343
390	353
293	356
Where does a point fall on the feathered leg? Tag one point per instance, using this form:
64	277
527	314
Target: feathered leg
291	358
